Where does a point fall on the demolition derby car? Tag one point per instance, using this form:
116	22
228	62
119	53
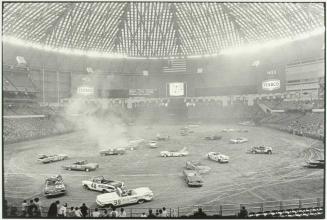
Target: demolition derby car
153	144
51	158
261	150
192	178
213	138
113	151
216	156
162	138
238	140
180	153
197	166
101	184
54	186
119	197
320	164
82	165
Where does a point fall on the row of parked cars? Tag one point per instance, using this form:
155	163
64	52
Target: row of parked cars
114	192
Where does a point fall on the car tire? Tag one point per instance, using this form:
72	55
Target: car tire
87	170
104	191
269	152
140	201
86	187
109	206
69	168
165	155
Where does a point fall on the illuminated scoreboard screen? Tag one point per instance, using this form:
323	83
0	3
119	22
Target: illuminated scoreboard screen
176	89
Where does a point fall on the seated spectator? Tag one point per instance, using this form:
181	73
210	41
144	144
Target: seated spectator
122	213
243	213
143	215
70	213
78	213
96	213
105	214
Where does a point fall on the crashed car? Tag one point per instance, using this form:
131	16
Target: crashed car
261	150
153	144
162	138
54	186
238	140
120	197
101	184
320	164
218	157
51	158
213	138
133	144
82	165
192	178
228	130
180	153
197	166
113	151
247	123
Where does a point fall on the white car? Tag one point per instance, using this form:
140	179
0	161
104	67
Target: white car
119	198
261	150
180	153
51	158
153	144
228	130
216	156
197	166
238	140
101	184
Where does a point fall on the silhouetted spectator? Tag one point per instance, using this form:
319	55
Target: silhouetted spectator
5	208
84	210
243	213
38	210
113	213
24	208
199	213
143	215
151	215
53	209
122	213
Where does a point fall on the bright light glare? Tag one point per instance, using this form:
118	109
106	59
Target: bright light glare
96	54
271	44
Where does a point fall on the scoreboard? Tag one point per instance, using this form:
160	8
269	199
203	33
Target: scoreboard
176	89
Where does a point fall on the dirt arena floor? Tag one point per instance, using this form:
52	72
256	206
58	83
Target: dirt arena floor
246	178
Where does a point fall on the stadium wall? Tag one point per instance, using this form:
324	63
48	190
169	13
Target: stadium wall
221	75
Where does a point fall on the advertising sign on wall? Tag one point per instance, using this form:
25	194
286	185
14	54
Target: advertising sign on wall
271	79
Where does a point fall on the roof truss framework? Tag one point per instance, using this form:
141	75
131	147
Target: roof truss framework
158	29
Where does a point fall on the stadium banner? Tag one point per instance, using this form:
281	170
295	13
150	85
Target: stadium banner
176	89
271	79
142	92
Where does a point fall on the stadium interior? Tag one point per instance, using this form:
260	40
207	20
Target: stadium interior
80	78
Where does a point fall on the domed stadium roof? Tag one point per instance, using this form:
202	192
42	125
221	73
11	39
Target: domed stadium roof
158	29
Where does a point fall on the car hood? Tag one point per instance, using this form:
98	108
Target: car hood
107	197
143	191
195	178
